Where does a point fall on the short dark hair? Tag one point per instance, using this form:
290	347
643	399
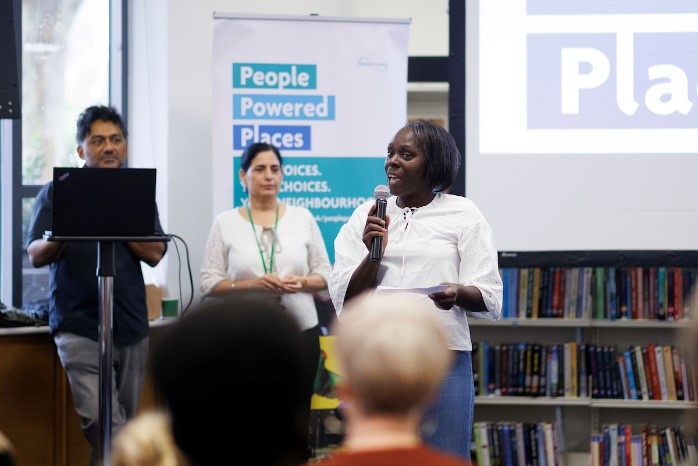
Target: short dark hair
95	113
231	373
253	149
441	152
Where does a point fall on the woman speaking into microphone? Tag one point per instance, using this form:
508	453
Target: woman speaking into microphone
429	238
269	245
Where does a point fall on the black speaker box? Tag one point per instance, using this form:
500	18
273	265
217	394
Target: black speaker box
10	106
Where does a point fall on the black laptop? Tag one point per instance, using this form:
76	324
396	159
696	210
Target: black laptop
103	202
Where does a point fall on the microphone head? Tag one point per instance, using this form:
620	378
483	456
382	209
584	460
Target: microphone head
381	192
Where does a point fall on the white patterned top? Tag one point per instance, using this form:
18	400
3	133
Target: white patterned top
232	254
447	240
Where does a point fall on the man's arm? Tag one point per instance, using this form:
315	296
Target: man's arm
149	252
42	252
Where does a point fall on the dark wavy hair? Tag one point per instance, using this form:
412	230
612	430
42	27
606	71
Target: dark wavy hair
253	149
95	113
443	158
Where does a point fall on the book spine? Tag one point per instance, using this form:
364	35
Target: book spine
595	447
653	293
504	275
544	303
669	371
523	289
512	370
636	283
645	293
495	383
671	446
627	433
599	293
611	376
535	369
661	373
678	373
567	377
495	444
670	313
641	373
612	294
508	458
594	369
623	293
513	293
549	444
654	371
582	367
540	444
587	296
520	444
661	293
529	293
544	364
630	371
625	384
678	293
648	374
528	368
521	369
535	293
504	368
560	371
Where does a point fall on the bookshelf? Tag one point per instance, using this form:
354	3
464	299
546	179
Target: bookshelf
581	415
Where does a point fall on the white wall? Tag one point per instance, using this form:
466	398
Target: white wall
170	99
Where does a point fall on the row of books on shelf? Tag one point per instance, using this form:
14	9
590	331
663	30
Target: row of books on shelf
653	445
516	443
597	292
573	369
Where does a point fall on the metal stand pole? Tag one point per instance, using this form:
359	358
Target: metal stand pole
105	272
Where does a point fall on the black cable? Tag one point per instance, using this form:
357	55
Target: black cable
179	271
179	275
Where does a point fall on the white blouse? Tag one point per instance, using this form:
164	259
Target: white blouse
447	240
232	253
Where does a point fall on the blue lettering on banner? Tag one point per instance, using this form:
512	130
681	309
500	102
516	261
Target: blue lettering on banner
283	107
612	80
283	137
274	76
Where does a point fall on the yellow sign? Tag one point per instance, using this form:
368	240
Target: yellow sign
325	390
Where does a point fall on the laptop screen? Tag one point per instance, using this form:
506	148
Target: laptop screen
103	202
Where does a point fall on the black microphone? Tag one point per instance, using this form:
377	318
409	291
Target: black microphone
381	193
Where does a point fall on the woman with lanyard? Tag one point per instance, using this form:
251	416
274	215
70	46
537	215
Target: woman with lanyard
269	245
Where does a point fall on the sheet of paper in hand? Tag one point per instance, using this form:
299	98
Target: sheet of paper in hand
423	290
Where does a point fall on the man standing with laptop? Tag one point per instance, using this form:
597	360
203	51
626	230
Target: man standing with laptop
74	296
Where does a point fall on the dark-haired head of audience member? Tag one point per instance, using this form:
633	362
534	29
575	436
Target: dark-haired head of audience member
231	374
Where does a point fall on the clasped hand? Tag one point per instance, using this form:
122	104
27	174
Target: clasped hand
277	285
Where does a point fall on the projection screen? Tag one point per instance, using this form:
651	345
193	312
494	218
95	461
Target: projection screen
582	123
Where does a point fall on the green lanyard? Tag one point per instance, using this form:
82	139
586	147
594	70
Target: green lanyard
259	246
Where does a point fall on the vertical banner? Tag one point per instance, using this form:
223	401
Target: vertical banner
330	93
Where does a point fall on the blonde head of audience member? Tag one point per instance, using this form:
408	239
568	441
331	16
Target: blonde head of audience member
7	452
393	355
146	440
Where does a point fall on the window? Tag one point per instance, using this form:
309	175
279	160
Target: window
66	51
